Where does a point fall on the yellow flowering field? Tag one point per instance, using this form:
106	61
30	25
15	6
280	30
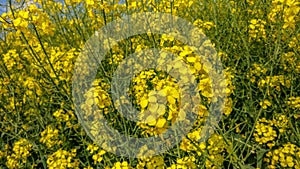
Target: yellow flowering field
43	44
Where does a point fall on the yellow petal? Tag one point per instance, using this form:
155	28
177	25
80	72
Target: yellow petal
17	21
197	66
151	121
181	115
171	100
144	103
152	99
177	65
191	59
175	93
170	116
161	109
25	15
153	108
184	53
161	122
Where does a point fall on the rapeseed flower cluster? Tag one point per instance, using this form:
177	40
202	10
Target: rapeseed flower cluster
216	148
50	137
286	156
98	157
294	43
152	162
281	122
121	165
255	72
191	143
184	163
20	153
97	154
205	25
265	104
257	41
265	132
287	11
276	82
294	102
149	103
290	62
257	29
63	159
65	116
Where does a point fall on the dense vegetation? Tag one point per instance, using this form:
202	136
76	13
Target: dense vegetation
256	40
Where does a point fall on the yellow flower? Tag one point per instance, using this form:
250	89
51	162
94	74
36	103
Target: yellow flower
184	163
21	151
62	159
121	165
90	2
264	132
191	59
144	103
50	137
265	104
161	122
257	29
284	156
98	157
92	148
